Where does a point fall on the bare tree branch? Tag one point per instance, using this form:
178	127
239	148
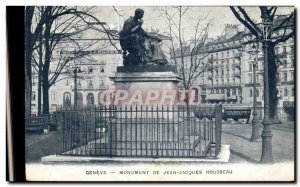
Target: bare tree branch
245	23
281	25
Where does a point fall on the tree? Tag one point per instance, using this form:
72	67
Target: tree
58	26
283	29
32	32
190	70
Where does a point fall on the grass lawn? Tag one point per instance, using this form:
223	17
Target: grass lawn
38	145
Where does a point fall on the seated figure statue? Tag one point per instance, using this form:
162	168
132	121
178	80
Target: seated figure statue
138	46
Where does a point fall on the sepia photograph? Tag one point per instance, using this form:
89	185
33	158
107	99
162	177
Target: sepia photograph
159	93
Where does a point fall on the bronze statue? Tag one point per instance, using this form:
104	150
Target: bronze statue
138	46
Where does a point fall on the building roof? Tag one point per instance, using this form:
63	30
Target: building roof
239	36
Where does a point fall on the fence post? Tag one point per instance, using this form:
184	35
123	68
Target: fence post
218	127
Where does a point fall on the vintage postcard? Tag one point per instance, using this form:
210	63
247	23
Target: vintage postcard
160	93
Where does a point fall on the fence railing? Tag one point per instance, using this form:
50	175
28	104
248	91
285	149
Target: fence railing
139	132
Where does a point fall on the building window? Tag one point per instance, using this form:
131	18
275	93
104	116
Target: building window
67	100
233	92
33	81
196	94
285	92
53	95
217	90
102	82
90	69
250	67
67	82
285	77
293	90
276	50
90	99
250	93
285	64
292	75
284	49
102	69
228	92
33	96
222	72
212	91
90	84
292	49
240	91
257	92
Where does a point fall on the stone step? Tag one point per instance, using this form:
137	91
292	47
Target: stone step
201	148
189	142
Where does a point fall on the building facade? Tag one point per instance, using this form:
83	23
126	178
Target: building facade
93	74
228	77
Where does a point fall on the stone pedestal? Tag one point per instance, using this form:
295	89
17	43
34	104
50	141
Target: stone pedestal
146	86
147	95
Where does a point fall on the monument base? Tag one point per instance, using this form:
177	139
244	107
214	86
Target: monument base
148	86
147	91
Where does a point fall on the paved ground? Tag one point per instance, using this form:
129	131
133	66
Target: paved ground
242	150
236	135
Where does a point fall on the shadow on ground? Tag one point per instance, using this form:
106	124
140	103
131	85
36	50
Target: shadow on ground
237	135
244	157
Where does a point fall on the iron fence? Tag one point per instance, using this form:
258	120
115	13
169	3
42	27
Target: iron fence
41	123
138	131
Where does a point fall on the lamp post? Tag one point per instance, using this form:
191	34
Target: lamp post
266	156
255	128
76	71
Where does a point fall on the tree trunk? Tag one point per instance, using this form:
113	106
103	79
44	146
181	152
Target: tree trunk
46	66
39	91
40	69
28	92
28	56
45	93
272	67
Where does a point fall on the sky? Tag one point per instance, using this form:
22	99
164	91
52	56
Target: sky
215	15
